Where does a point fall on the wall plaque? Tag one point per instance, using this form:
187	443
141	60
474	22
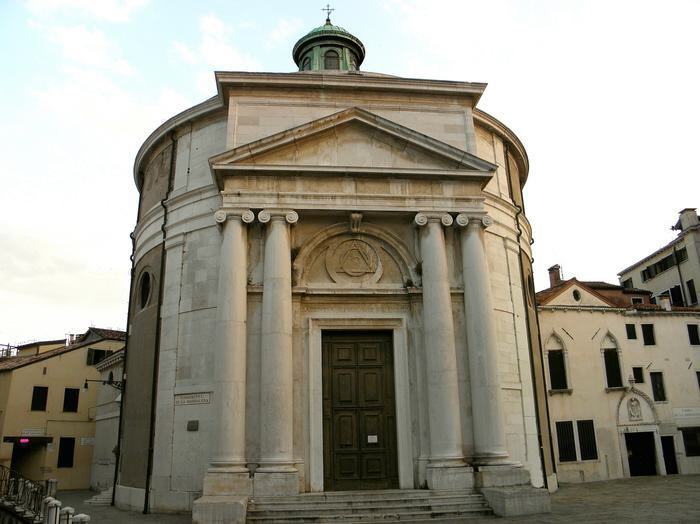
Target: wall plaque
190	399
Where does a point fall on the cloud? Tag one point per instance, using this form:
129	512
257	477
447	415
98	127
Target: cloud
285	29
216	50
110	10
89	47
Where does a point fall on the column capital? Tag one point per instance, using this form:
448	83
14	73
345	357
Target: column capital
289	215
481	220
421	219
222	215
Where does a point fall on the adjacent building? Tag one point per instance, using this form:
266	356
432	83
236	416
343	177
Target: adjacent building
332	291
104	456
47	406
674	269
623	381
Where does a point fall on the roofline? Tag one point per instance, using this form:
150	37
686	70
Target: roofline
676	240
52	353
209	105
473	90
567	284
111	360
40	342
618	309
349	81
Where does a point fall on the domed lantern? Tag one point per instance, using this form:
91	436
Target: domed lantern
328	48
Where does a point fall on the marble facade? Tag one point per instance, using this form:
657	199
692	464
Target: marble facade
301	203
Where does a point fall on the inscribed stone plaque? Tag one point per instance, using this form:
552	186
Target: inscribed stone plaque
190	399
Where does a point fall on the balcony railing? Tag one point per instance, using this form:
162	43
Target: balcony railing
33	501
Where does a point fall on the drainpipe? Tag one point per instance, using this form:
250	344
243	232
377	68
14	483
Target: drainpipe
154	382
519	211
126	348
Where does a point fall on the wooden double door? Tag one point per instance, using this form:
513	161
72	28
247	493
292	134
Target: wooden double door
359	411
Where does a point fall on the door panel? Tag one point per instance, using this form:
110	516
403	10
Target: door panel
358	411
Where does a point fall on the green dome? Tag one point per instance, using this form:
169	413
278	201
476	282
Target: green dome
309	51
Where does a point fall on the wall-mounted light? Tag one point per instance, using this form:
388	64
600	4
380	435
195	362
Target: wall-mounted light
116	384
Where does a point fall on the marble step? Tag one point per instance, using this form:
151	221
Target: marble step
369	506
103	498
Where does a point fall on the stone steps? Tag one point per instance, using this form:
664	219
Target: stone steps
103	498
369	507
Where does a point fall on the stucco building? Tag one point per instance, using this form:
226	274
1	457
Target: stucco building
331	290
47	414
674	269
623	381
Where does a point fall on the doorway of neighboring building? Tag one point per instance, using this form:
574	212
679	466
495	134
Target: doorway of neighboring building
27	459
669	450
641	453
359	411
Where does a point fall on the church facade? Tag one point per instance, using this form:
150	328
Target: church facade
331	290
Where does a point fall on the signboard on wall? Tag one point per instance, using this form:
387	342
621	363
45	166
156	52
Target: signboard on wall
189	399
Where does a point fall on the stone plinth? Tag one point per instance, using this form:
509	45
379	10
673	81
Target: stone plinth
519	500
220	510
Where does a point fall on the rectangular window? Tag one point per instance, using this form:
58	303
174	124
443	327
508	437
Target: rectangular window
66	449
676	296
638	374
697	375
557	371
586	440
612	368
648	334
693	335
692	294
39	396
95	356
565	440
691	441
657	386
631	331
627	283
637	300
70	400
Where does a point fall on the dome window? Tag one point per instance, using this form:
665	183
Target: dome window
331	60
306	64
144	289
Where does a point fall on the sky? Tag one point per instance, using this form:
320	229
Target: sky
603	94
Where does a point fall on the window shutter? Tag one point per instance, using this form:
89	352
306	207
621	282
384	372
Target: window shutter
586	440
565	440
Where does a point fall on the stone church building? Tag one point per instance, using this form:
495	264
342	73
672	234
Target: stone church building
332	290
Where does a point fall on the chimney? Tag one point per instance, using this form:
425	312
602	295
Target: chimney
554	275
665	302
686	219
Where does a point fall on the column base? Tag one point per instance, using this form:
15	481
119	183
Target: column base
223	482
501	476
219	510
276	481
518	500
449	476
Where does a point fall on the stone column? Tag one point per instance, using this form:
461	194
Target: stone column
446	467
489	438
276	474
227	473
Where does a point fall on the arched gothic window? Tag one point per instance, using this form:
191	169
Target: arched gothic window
556	364
331	60
611	358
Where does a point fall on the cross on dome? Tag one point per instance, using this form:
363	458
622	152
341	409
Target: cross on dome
328	9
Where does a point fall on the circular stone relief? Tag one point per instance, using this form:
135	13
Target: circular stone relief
353	261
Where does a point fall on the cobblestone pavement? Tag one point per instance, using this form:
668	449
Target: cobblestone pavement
675	498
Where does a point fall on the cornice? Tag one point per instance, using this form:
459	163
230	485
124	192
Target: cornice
346	81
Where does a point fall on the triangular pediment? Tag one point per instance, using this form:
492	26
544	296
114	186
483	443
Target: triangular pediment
353	141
